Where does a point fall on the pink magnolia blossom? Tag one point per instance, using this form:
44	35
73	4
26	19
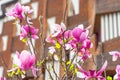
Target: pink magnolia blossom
80	34
19	10
92	73
25	61
80	37
67	34
28	32
50	40
84	54
57	34
58	30
117	75
115	55
87	44
2	78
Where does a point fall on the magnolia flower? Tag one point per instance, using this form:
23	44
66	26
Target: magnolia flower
115	55
25	61
16	11
28	31
2	78
19	10
84	54
57	34
87	44
67	34
58	29
117	75
50	40
92	73
79	33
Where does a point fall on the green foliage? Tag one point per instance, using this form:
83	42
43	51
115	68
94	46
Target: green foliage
57	45
109	78
11	74
68	62
40	62
24	40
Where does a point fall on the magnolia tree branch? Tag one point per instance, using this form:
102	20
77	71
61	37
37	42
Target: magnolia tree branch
42	37
101	53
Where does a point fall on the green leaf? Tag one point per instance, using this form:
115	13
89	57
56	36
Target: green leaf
76	70
9	74
64	40
71	66
68	62
40	63
57	45
14	66
18	71
109	78
24	40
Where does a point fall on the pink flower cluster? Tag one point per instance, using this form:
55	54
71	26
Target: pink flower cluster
76	39
25	60
27	31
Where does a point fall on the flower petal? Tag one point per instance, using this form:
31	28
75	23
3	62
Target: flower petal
102	69
82	70
34	71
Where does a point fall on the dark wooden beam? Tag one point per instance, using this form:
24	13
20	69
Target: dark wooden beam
111	45
107	6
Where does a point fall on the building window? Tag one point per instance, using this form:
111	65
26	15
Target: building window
110	26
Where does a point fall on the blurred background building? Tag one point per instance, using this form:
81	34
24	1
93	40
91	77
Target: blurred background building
103	15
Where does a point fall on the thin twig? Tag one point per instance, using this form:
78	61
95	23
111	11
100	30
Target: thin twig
53	62
29	47
49	72
93	60
72	60
41	37
101	53
65	12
